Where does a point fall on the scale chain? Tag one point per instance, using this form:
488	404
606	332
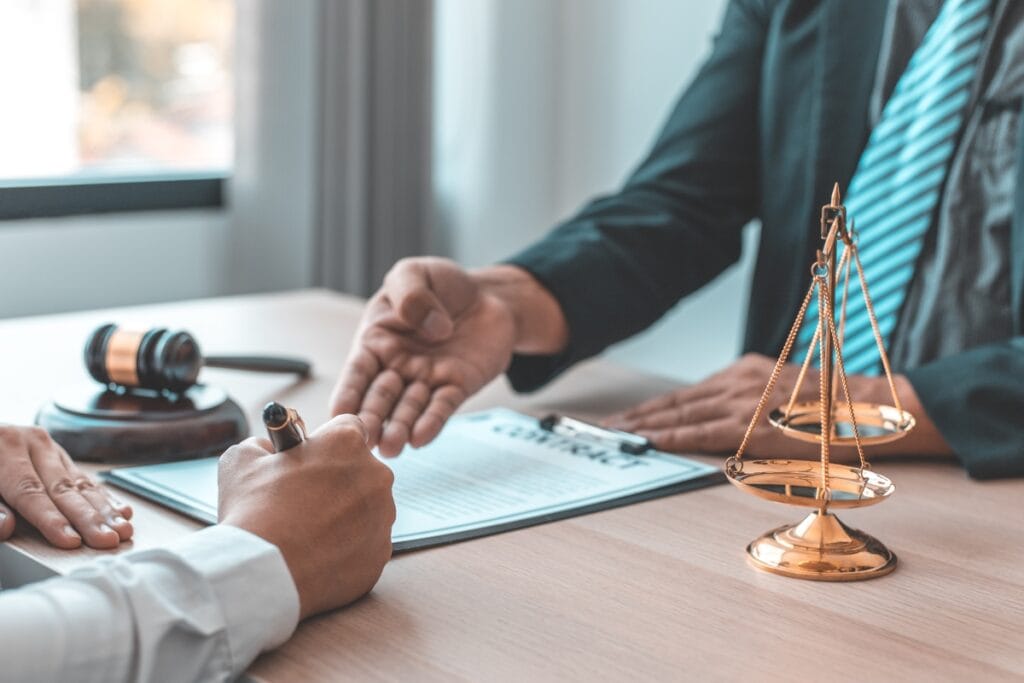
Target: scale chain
841	371
844	265
776	371
803	373
874	328
825	413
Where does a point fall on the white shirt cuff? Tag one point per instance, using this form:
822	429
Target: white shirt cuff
252	583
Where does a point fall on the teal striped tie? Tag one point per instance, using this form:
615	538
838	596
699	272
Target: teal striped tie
899	178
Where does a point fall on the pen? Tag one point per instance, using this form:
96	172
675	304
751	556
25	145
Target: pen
284	426
578	429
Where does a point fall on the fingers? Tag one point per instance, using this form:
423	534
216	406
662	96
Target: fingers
101	502
262	443
250	449
443	403
112	502
408	288
235	465
715	436
343	425
6	522
22	489
700	410
124	508
399	427
381	397
361	368
672	399
91	515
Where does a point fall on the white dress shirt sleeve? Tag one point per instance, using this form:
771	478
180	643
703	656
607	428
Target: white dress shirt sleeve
200	610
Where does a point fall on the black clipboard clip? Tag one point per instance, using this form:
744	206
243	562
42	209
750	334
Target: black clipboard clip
578	429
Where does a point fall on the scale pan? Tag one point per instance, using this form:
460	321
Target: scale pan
877	424
798	482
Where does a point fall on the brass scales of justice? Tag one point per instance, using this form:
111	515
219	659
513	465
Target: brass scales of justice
821	547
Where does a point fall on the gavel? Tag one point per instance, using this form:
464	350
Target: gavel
164	360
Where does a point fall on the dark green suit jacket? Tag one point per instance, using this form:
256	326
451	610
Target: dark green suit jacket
777	114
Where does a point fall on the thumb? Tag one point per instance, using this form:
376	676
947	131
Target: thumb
414	301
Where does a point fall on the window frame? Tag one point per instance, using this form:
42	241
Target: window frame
74	196
84	193
320	193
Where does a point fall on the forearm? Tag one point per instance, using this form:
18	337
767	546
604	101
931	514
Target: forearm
65	630
542	329
541	326
202	611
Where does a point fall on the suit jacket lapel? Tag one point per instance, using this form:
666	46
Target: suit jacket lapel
850	40
821	65
848	45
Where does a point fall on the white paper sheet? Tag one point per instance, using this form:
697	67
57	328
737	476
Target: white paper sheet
487	472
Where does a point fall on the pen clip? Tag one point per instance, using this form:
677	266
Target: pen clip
578	429
296	419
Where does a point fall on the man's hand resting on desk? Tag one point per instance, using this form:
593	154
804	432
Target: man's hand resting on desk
432	336
712	416
326	504
39	482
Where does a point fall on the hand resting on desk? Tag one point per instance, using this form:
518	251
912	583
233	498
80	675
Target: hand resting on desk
39	482
712	415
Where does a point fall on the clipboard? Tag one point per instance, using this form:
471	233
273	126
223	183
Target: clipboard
487	473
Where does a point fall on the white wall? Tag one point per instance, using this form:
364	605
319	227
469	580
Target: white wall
542	104
496	125
49	265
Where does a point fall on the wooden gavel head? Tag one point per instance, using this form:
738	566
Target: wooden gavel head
158	359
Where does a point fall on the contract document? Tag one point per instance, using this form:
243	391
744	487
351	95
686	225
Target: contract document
486	473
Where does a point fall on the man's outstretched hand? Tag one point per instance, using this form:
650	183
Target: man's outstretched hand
431	337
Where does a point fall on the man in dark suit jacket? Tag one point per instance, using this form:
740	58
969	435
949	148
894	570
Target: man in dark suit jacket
781	110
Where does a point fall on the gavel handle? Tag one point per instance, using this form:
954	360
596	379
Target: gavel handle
295	366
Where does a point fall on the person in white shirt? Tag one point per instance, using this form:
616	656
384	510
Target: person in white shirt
300	533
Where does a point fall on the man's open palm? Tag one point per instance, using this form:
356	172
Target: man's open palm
429	339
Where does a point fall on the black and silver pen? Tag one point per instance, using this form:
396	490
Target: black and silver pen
284	426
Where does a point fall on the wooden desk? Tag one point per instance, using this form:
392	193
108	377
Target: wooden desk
656	591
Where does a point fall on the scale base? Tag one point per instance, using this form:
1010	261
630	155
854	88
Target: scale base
821	548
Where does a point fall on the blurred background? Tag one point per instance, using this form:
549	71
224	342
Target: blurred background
156	150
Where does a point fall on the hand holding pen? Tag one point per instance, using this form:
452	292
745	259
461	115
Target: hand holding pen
325	503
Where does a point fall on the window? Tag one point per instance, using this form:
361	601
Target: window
114	104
